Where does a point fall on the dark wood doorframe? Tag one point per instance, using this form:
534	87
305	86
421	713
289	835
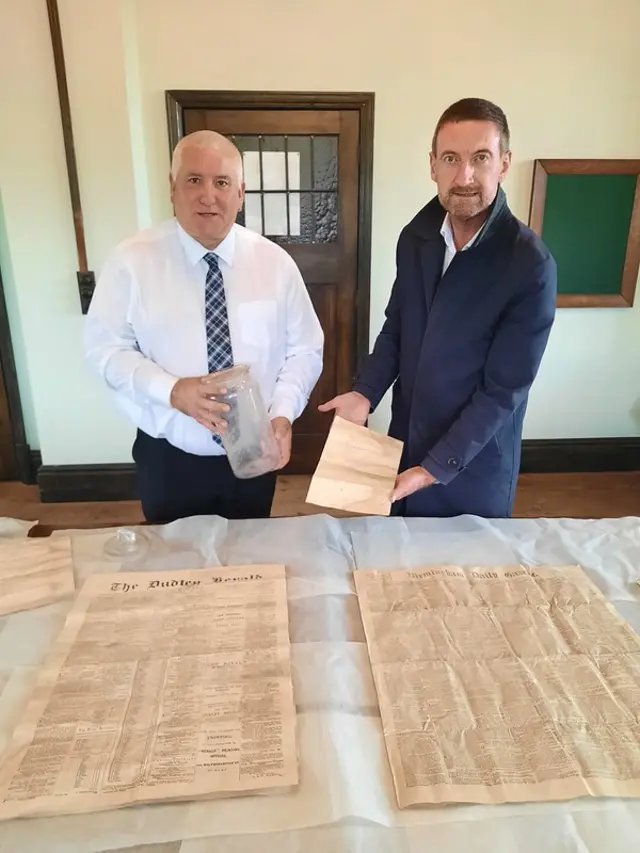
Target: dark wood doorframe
24	464
179	100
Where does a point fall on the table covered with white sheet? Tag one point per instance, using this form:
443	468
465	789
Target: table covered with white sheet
345	802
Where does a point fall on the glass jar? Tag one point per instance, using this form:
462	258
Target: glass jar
248	439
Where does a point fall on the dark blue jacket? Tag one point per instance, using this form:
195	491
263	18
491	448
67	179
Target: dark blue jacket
462	351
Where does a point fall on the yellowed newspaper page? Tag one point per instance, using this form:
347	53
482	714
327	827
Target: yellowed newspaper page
357	470
161	686
502	684
34	572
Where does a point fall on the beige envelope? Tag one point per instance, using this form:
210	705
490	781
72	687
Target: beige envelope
357	470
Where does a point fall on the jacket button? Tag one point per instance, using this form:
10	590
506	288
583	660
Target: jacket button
453	462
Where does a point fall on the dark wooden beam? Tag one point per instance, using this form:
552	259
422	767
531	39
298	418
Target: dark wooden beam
86	278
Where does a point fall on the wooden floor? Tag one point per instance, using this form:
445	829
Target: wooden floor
609	495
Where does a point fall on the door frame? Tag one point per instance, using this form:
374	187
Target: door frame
178	100
26	463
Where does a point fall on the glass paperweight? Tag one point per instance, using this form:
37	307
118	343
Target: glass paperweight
127	543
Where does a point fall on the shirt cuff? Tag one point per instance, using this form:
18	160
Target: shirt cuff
282	409
160	387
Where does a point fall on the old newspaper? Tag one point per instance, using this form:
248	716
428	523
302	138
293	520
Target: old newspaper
161	686
502	684
34	572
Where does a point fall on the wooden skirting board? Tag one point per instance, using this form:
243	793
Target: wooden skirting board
116	482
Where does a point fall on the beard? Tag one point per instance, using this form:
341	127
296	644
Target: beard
464	203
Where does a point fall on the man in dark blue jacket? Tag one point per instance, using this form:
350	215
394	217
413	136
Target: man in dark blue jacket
466	327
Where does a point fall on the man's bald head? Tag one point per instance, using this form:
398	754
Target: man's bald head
206	140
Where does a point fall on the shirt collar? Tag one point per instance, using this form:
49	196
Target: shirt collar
195	251
447	233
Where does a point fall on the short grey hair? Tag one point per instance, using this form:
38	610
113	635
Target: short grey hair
208	140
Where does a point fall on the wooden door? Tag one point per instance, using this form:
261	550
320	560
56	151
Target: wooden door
7	452
302	191
16	460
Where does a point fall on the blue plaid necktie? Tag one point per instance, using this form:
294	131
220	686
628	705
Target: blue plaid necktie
219	350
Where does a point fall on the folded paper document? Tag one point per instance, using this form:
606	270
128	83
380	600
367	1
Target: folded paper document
357	470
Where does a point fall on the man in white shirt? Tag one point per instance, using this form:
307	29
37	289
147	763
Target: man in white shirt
181	301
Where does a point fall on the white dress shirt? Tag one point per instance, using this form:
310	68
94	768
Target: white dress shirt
145	327
450	246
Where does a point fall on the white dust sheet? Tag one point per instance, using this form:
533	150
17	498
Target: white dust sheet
345	801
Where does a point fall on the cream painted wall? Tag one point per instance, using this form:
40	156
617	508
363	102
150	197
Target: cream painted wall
416	55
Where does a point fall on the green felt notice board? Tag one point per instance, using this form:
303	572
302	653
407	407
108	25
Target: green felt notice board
588	214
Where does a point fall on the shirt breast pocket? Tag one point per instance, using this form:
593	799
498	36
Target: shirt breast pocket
259	323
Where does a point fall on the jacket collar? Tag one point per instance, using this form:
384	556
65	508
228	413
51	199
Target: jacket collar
427	223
